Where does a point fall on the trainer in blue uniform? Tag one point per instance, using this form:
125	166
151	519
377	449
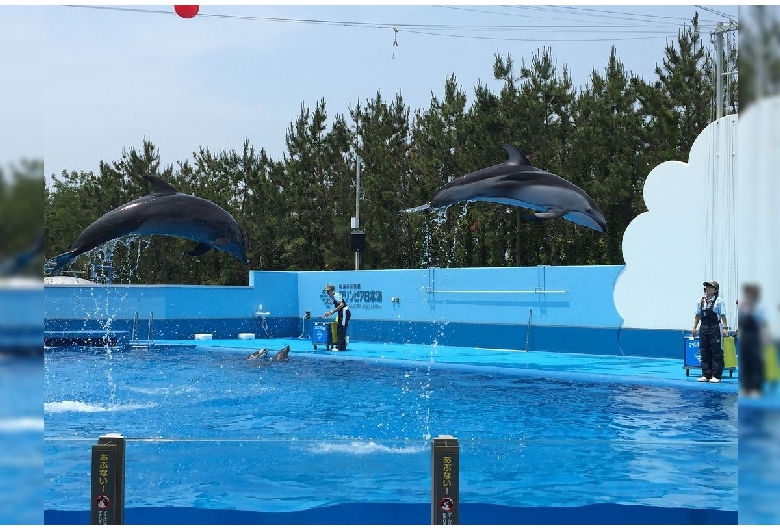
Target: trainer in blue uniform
340	307
711	313
753	334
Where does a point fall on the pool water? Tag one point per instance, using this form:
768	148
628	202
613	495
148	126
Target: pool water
21	440
207	428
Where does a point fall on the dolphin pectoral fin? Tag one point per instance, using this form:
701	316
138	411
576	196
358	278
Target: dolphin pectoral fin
417	208
594	221
199	250
540	217
533	218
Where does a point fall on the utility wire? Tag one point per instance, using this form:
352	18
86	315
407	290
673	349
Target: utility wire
545	38
620	15
719	13
437	29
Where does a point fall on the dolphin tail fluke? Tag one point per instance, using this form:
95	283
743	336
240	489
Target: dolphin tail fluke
417	208
199	250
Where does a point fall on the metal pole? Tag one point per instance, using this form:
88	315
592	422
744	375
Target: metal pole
719	71
760	59
357	208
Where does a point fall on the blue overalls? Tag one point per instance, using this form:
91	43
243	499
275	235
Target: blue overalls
341	331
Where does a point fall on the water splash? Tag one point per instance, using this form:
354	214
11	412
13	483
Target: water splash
117	260
360	447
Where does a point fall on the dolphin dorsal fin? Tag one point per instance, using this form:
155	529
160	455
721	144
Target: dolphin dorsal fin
516	156
159	186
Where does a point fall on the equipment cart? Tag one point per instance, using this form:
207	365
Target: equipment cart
692	358
323	332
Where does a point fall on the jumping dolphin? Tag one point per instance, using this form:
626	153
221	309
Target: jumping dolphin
165	211
518	183
259	354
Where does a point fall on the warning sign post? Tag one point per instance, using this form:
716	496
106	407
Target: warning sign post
108	480
446	469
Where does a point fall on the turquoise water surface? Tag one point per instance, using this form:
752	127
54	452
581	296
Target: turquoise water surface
207	428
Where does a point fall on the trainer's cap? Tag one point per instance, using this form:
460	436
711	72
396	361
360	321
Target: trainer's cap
712	283
329	287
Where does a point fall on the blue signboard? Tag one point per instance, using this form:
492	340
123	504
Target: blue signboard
319	334
692	354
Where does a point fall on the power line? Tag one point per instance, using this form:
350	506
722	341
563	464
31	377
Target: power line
545	38
604	13
435	29
719	13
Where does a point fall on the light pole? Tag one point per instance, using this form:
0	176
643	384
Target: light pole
357	237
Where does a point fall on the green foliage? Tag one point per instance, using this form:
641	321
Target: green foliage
21	212
686	88
759	60
296	212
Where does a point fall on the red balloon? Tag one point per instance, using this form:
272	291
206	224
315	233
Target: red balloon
186	11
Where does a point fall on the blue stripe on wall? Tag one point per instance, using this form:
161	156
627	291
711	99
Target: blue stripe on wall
595	341
561	309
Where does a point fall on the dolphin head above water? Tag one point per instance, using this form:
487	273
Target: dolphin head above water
164	211
283	354
259	354
518	183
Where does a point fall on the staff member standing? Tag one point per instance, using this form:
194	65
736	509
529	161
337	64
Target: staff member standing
340	307
711	313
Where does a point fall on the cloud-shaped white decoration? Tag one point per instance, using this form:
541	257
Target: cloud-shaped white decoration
687	236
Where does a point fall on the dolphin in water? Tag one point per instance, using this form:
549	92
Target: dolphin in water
518	183
259	354
282	354
164	211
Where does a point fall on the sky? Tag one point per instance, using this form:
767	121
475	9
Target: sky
92	81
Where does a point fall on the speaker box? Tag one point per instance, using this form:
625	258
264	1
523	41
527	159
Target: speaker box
357	241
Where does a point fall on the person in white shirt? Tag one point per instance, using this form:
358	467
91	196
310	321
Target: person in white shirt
339	306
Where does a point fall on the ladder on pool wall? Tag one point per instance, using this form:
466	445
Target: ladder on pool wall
528	332
136	342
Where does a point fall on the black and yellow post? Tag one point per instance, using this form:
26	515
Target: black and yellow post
445	503
107	502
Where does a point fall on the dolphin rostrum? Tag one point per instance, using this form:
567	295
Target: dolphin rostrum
259	354
164	211
516	182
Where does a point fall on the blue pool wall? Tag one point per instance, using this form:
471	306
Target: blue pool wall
544	308
21	327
